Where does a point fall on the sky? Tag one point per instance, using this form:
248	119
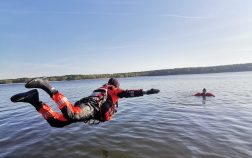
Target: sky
62	37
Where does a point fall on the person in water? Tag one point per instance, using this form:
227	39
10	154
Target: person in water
204	94
100	105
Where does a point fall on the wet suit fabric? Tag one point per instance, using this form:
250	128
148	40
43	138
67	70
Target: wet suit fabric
204	95
101	105
70	113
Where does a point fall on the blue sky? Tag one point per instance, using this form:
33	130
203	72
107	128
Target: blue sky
59	37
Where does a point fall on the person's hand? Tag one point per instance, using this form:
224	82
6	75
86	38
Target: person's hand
152	91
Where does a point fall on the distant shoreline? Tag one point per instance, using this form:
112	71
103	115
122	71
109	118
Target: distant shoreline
162	72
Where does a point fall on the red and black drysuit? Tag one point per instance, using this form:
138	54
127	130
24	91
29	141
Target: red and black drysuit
101	105
204	95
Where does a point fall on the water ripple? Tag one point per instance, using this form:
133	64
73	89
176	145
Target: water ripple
171	124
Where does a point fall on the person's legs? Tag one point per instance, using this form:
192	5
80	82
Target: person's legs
53	118
31	97
70	112
41	83
81	112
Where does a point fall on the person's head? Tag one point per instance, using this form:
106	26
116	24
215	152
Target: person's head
114	82
204	90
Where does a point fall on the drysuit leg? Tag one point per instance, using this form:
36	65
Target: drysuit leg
77	113
32	97
53	118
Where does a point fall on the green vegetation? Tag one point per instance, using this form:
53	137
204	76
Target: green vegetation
177	71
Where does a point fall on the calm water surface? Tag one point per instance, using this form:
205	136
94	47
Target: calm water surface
172	124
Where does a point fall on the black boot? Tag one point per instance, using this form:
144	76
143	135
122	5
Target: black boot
31	97
41	83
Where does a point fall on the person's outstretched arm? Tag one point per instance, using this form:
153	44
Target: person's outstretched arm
135	93
210	95
197	94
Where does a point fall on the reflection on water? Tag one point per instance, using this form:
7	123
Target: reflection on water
105	153
170	124
203	100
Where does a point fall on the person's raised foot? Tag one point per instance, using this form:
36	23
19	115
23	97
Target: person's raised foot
41	83
31	97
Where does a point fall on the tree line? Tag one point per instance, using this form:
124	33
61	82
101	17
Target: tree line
163	72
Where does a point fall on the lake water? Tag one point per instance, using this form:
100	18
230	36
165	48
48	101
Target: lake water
171	124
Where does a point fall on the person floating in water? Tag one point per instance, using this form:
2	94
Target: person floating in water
204	94
100	105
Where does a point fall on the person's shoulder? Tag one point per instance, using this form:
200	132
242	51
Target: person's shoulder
113	88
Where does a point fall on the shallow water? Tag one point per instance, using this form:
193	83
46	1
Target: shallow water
171	124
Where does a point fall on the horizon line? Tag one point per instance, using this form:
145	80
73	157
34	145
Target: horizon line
131	71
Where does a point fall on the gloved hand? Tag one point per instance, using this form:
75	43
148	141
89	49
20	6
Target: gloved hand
152	91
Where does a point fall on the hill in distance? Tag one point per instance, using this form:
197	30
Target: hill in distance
163	72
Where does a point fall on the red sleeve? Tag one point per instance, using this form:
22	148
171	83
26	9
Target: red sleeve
107	112
210	95
117	91
198	94
109	107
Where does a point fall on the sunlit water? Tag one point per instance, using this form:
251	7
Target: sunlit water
172	123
